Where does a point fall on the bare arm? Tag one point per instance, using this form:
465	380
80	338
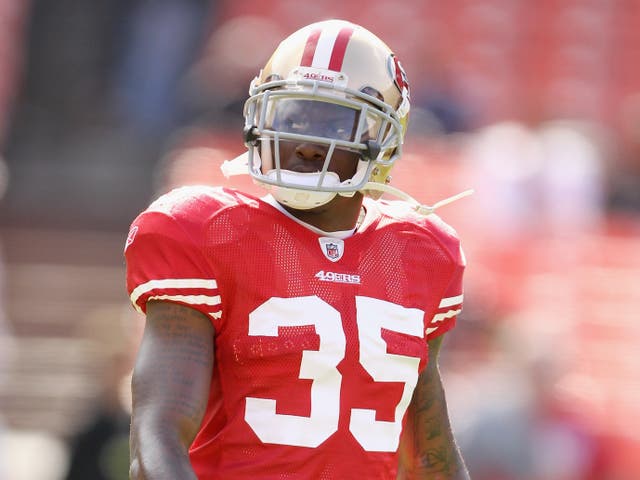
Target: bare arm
170	389
428	448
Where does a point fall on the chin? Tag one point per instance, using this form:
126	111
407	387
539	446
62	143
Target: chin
314	210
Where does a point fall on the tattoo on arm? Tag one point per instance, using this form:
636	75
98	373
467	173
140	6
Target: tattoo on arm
182	355
170	389
435	454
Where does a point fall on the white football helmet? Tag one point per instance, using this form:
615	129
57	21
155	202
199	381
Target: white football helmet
334	84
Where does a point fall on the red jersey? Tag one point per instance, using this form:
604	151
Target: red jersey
318	341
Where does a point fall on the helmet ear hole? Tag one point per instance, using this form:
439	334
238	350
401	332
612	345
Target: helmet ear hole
372	92
273	78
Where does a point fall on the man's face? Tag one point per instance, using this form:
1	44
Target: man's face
310	158
321	119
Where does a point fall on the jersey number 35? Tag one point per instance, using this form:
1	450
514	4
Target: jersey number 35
320	366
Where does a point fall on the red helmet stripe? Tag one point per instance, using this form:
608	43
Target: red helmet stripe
339	48
310	48
326	49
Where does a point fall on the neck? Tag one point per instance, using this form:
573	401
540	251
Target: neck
339	214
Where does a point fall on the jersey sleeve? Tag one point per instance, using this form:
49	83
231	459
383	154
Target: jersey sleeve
450	304
165	261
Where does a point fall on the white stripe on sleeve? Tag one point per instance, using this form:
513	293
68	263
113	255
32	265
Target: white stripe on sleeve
450	301
439	317
178	283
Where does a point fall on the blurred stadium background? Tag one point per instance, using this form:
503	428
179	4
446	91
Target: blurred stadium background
535	104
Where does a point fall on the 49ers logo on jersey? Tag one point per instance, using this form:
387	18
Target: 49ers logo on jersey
337	277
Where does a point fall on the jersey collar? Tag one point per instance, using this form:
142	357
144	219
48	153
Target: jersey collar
341	234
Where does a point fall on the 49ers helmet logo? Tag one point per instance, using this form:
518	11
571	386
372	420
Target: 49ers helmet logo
399	76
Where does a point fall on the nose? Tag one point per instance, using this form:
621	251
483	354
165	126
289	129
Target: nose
310	152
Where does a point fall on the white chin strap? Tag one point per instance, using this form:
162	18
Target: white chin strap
307	199
298	198
303	199
417	206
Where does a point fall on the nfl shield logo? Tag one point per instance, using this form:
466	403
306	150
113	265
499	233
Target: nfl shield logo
333	248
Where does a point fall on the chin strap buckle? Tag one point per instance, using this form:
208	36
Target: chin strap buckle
250	135
372	151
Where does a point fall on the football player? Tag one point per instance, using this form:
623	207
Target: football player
297	335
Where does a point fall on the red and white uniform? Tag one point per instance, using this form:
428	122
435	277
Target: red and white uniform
318	341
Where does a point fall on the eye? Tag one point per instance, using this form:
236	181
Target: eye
342	134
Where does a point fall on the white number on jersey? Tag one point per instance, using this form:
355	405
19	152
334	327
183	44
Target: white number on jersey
321	366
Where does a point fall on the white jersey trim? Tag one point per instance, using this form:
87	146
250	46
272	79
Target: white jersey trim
450	301
450	313
178	283
439	317
191	299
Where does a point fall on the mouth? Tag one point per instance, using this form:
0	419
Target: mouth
303	167
304	170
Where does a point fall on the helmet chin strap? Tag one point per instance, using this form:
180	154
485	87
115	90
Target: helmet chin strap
417	206
306	199
298	198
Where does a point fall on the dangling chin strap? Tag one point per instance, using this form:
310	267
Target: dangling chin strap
238	166
417	206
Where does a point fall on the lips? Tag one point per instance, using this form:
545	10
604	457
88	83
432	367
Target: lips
304	166
303	169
